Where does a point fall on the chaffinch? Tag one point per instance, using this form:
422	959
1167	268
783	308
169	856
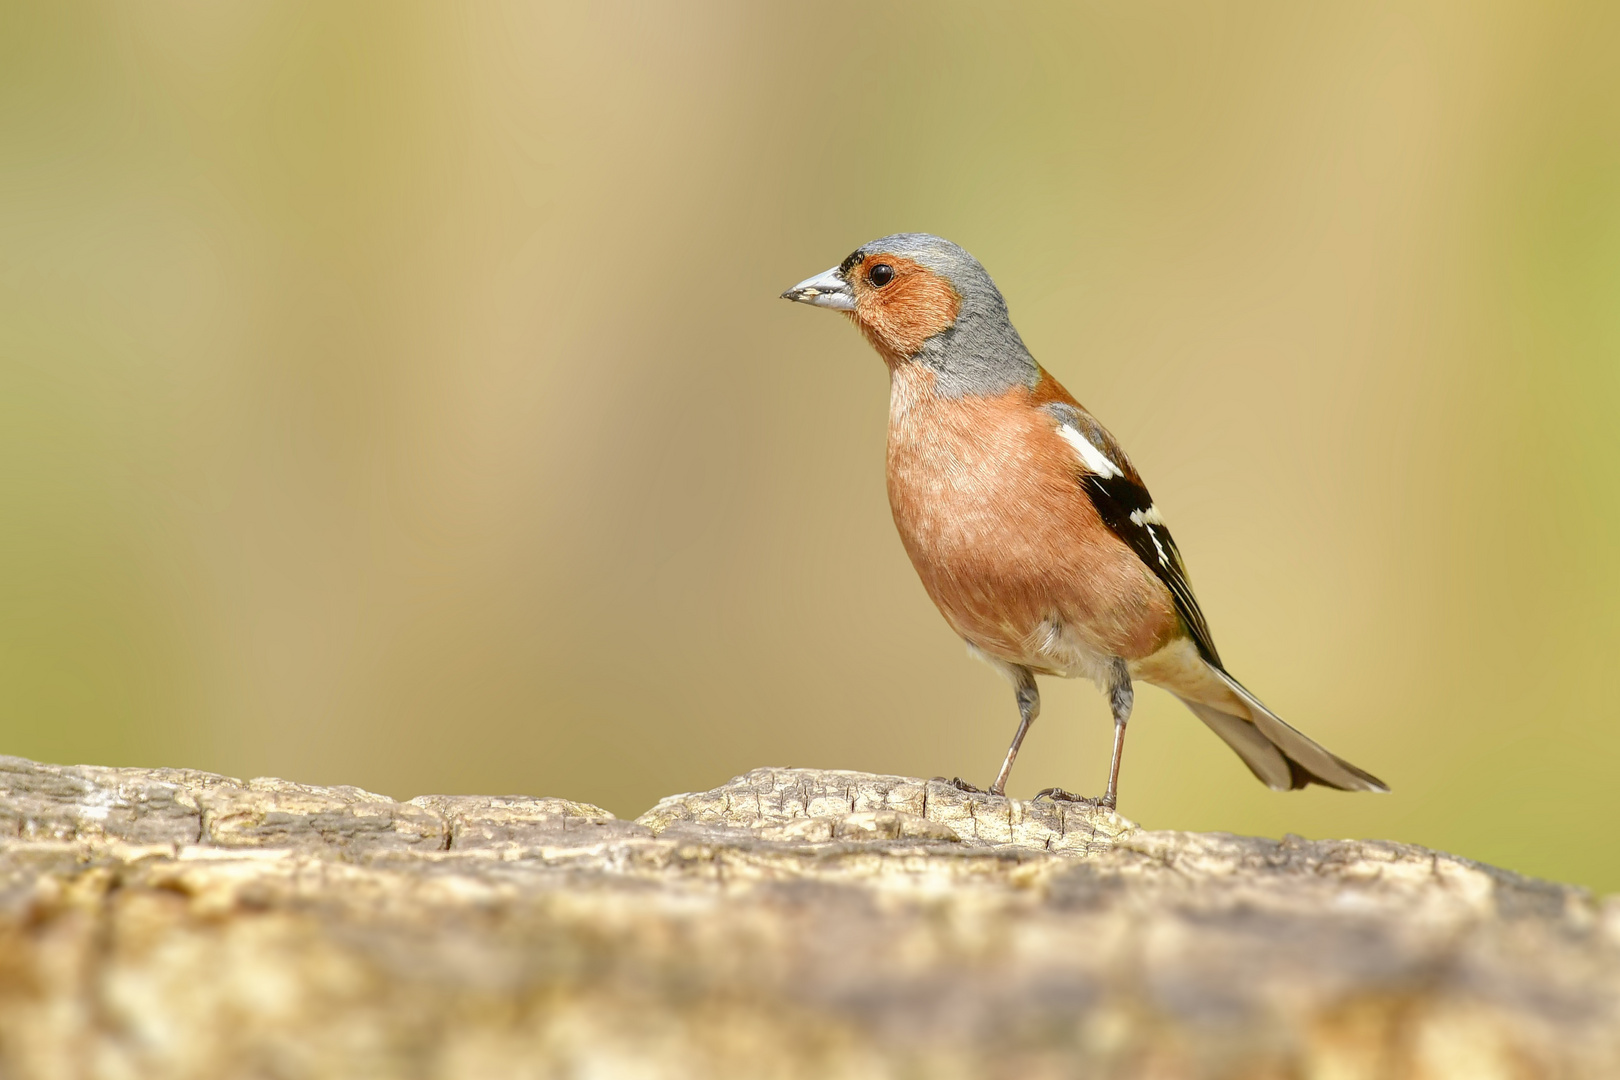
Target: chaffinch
1028	525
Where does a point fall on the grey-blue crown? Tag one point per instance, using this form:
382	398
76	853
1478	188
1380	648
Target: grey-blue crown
938	254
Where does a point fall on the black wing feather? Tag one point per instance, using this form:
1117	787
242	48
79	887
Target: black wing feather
1125	506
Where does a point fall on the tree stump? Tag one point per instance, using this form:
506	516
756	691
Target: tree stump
792	923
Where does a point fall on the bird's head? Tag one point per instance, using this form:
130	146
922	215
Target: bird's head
921	299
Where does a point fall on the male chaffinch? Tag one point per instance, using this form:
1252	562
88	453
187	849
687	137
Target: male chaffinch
1031	530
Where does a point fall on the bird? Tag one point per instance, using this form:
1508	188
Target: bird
1030	528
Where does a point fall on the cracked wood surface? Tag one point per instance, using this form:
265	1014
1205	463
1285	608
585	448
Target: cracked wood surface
791	923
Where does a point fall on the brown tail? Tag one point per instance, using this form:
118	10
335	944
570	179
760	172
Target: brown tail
1279	755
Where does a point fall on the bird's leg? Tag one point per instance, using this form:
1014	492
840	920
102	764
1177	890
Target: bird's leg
1029	707
1120	698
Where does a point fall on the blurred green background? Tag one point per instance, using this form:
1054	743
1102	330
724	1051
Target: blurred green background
398	395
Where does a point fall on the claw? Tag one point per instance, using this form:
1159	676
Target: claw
962	785
1057	794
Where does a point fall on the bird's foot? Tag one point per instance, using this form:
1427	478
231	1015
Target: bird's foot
961	785
1057	794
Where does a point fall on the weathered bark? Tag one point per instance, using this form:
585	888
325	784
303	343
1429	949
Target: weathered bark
793	923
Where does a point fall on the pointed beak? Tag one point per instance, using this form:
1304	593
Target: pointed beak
828	290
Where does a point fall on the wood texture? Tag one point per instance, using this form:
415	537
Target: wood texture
792	923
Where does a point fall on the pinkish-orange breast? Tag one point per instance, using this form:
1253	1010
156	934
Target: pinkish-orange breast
988	503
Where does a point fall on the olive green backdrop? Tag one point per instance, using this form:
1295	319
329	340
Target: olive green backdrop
398	394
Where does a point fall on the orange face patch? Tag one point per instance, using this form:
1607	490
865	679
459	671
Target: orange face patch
899	314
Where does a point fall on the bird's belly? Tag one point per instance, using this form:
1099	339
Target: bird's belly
1004	601
996	534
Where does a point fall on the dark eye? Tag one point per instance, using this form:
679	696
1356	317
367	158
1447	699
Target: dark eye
881	274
